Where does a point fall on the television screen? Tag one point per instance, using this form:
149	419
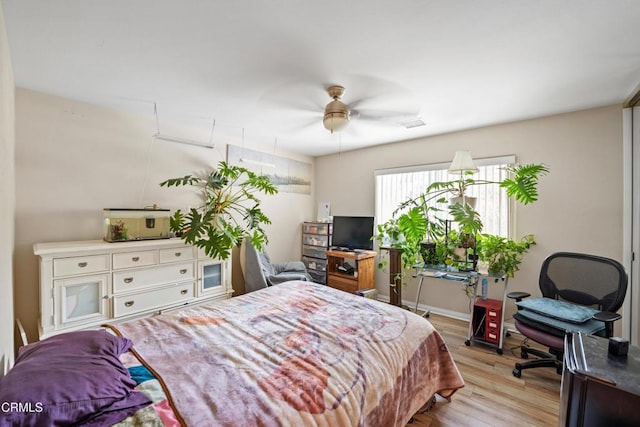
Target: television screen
352	232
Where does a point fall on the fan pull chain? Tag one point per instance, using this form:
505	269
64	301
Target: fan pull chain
155	113
242	155
213	126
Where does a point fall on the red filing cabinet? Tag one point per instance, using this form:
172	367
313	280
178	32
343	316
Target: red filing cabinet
487	320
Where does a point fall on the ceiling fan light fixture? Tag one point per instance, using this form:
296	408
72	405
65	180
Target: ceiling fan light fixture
336	121
336	115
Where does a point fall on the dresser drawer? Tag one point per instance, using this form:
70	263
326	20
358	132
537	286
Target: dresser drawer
134	259
492	336
314	252
316	228
80	265
136	279
493	314
317	277
175	254
315	240
315	263
142	301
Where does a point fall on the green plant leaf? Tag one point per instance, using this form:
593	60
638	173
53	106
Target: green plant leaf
467	218
523	185
176	182
413	225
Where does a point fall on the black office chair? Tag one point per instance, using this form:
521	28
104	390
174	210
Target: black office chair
580	292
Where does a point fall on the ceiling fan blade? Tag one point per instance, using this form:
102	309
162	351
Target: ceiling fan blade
383	115
297	125
302	96
291	106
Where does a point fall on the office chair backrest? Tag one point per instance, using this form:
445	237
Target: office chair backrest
584	279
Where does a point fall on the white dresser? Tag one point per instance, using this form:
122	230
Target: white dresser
84	284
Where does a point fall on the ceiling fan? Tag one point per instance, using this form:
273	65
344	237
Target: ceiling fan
337	114
372	102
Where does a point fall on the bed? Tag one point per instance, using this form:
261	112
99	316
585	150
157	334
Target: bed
294	354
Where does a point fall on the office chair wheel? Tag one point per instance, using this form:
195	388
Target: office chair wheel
517	373
467	343
499	351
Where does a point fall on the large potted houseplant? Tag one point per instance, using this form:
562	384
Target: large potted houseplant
230	210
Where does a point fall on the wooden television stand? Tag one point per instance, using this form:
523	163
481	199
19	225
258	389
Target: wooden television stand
362	276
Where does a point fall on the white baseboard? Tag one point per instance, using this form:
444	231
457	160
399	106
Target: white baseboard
436	310
509	327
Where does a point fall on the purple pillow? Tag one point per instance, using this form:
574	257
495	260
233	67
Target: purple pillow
74	378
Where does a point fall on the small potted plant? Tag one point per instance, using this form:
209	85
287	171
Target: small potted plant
502	255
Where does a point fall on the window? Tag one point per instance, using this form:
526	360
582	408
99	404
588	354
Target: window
394	186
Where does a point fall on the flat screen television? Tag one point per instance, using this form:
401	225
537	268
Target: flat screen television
352	232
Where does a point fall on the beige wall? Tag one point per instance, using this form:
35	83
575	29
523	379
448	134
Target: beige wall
580	205
74	159
7	199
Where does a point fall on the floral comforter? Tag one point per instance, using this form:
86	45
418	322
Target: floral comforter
291	355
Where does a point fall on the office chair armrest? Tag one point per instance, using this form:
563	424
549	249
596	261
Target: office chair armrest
518	296
606	316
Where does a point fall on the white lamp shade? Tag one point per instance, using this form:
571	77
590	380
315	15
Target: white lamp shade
462	162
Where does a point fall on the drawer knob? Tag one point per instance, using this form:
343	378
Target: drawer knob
129	303
178	254
184	291
135	259
128	279
82	264
183	271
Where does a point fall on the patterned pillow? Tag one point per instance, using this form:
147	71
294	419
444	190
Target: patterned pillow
561	310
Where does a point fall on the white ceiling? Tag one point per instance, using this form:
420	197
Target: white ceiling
263	65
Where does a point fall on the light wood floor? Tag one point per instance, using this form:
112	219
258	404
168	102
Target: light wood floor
492	396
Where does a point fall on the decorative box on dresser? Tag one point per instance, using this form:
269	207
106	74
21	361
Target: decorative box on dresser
84	284
316	239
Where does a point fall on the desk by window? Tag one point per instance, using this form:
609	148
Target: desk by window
477	307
